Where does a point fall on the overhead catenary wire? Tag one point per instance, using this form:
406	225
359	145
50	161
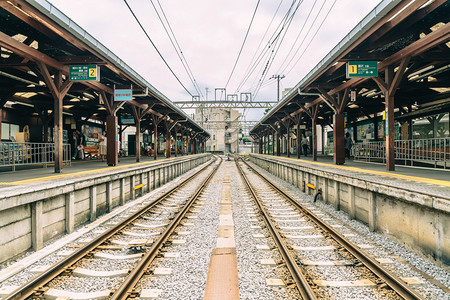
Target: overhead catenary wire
266	55
307	46
177	47
298	36
259	46
277	47
306	36
243	43
263	54
156	48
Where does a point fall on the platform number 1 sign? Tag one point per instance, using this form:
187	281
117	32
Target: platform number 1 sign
362	69
352	69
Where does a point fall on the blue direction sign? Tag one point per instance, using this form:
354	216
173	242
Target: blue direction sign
84	73
362	69
123	95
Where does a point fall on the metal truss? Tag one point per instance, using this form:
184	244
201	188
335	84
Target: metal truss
225	104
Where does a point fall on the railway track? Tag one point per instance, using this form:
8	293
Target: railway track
279	211
143	234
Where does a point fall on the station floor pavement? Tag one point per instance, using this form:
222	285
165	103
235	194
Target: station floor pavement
429	178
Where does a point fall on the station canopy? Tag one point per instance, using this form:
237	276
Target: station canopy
35	34
412	38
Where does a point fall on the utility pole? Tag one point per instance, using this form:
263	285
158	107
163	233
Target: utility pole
278	77
207	91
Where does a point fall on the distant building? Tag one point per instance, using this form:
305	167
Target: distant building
224	127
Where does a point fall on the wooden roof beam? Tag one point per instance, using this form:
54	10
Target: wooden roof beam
366	35
13	9
442	35
402	15
36	56
411	13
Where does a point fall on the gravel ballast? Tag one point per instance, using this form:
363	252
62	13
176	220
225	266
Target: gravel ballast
414	266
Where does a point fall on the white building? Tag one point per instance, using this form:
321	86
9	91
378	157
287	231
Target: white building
224	127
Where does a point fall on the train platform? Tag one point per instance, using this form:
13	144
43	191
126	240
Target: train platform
418	177
427	180
78	168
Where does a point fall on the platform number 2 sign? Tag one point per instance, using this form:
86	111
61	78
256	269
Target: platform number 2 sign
93	72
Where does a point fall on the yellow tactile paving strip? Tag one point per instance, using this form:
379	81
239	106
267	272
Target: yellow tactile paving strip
387	174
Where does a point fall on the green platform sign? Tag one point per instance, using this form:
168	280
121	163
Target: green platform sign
84	73
362	69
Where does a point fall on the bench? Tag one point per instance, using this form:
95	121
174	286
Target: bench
91	152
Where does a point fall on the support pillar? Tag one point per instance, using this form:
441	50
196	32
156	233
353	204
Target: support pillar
323	139
389	87
314	139
273	142
156	120
59	89
260	145
278	142
390	137
288	139
176	140
338	107
112	153
168	139
155	142
338	139
182	142
299	137
196	146
138	139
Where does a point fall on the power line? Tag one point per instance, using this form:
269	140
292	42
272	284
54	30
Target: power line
182	58
272	40
307	46
154	46
306	36
243	43
273	44
173	44
277	46
298	36
259	46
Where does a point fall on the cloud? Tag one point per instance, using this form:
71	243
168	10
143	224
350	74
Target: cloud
210	34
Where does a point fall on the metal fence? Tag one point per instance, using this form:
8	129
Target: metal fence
435	151
18	154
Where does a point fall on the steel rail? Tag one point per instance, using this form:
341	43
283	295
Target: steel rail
390	279
302	284
126	289
32	286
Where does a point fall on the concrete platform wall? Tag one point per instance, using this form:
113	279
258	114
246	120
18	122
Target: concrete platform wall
418	220
33	215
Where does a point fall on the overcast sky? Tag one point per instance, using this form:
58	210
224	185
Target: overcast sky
210	34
